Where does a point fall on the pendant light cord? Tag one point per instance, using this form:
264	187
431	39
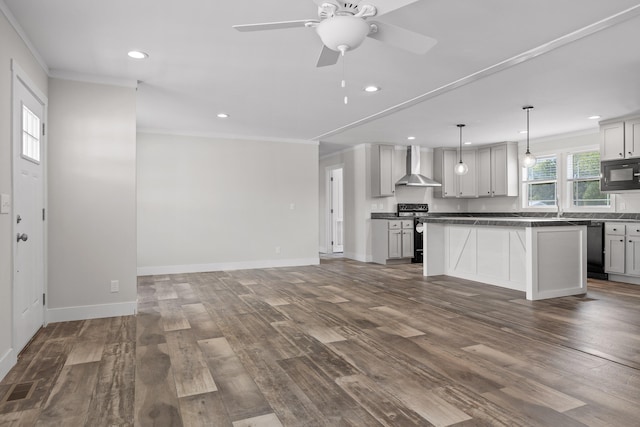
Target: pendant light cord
528	107
460	126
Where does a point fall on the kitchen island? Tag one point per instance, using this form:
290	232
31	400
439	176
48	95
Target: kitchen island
544	257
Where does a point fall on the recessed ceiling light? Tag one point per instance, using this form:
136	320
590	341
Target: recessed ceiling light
523	132
371	88
136	54
468	143
594	117
223	115
411	138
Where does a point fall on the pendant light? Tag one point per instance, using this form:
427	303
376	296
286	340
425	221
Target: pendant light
461	168
529	159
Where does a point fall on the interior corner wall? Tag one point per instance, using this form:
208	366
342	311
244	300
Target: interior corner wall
12	48
355	187
208	204
92	200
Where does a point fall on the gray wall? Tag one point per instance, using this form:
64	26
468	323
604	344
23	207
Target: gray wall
207	204
92	200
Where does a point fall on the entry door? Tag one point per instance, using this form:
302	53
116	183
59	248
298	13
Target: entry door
28	214
337	211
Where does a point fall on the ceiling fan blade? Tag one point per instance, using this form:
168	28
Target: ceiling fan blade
402	38
275	25
327	57
386	6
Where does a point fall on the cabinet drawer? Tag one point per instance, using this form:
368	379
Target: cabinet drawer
393	225
407	223
614	228
633	229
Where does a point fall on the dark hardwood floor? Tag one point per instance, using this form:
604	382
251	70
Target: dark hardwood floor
339	344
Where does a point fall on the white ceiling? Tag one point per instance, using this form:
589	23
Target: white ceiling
269	84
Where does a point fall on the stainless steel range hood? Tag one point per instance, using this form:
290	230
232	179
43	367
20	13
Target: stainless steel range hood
413	177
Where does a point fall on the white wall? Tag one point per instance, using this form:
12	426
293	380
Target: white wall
207	204
11	47
92	200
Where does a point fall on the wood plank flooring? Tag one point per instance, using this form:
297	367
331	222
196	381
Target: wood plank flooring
340	344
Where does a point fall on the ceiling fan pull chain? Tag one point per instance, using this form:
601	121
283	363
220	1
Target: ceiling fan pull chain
343	49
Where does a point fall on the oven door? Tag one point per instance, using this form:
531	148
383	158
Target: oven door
620	175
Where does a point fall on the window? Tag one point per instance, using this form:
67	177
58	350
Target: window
30	135
583	179
541	183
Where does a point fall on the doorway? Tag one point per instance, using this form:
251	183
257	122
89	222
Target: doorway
335	243
28	214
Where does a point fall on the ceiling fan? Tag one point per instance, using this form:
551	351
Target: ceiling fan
343	26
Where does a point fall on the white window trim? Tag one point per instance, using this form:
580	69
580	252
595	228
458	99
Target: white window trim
562	186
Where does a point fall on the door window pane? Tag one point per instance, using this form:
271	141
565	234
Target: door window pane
30	135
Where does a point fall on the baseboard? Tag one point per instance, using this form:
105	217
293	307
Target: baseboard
358	257
84	312
7	361
226	266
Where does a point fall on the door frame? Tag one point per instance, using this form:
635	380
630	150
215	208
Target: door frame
327	215
19	76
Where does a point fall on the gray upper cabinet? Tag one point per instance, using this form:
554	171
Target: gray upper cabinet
382	183
620	138
493	171
453	185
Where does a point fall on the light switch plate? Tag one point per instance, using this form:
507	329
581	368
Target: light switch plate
5	204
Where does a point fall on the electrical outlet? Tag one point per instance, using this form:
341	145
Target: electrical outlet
277	249
115	286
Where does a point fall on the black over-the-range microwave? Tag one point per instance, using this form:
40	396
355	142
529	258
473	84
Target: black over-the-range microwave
620	175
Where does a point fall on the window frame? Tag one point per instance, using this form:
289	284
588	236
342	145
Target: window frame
525	185
564	186
570	206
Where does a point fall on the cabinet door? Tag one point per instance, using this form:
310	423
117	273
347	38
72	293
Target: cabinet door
614	255
407	243
632	138
449	178
395	243
468	183
483	168
632	266
387	186
499	177
612	141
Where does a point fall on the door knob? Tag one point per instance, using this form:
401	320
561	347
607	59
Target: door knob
22	237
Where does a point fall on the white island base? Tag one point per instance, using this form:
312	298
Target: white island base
544	262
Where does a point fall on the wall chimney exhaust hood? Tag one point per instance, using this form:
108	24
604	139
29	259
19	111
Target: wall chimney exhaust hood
413	177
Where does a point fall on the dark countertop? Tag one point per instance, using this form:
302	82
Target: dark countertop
507	221
516	219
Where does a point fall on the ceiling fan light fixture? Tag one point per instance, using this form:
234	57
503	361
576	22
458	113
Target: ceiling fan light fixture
340	31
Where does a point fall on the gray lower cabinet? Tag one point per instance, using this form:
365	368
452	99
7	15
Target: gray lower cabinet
392	241
622	249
